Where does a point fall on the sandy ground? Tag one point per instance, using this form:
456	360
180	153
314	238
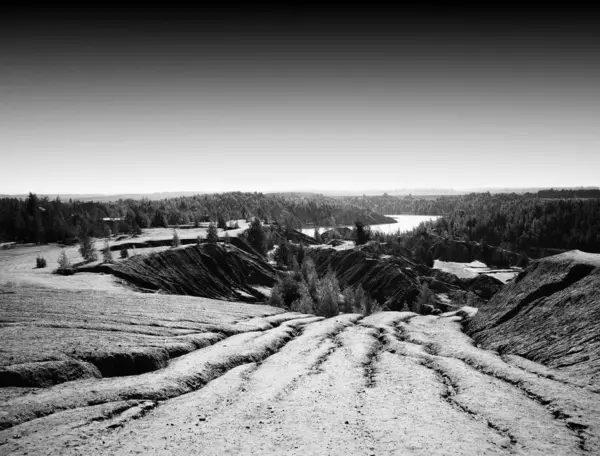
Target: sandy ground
392	383
474	268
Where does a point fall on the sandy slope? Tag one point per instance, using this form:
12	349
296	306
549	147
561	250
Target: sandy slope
247	379
392	383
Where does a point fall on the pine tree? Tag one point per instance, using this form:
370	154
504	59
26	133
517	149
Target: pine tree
64	265
283	253
221	223
317	236
212	235
176	241
106	253
86	248
124	252
256	237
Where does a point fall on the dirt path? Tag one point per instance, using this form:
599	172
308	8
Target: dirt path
391	383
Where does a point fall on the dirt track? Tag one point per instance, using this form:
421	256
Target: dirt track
283	383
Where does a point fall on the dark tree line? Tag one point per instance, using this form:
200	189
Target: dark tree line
39	219
520	222
523	223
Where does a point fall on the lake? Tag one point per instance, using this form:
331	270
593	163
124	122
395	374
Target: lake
403	223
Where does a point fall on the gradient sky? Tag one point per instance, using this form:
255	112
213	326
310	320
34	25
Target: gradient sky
119	101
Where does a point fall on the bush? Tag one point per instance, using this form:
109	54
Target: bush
357	300
40	262
426	298
305	304
124	252
363	233
328	296
212	235
285	292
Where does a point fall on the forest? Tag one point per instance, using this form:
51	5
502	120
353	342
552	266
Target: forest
532	223
526	224
39	219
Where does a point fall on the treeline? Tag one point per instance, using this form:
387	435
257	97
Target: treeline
523	223
39	219
570	193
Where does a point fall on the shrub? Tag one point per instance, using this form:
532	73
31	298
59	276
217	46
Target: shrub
199	241
124	252
212	235
305	304
227	238
64	265
106	253
176	241
363	233
328	296
86	248
40	262
425	298
286	291
357	300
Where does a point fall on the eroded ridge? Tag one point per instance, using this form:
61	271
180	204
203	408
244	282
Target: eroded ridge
389	383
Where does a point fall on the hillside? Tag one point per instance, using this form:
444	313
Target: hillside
549	314
209	270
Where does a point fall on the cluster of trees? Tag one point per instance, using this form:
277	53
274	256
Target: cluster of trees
302	290
523	224
39	219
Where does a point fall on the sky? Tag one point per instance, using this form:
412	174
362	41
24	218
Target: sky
122	101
